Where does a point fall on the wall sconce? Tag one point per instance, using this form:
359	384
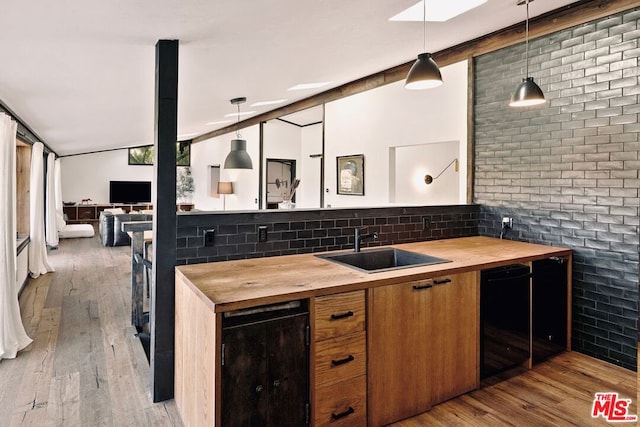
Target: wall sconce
428	179
225	188
281	183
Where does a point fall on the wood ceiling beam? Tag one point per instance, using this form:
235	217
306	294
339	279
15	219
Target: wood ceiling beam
559	19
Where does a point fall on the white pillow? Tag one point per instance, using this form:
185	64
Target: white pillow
147	211
114	211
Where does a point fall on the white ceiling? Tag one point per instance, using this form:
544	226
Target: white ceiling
81	73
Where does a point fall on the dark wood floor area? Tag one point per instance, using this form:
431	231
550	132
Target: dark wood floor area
87	368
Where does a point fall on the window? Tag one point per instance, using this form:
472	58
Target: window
144	155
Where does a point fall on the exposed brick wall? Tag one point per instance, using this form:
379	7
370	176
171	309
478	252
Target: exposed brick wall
304	231
567	172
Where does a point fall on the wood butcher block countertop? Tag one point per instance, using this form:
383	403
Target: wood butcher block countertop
232	285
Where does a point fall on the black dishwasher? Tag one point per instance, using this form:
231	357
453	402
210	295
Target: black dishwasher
504	318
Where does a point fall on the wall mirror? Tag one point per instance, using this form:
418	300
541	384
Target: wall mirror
404	136
298	139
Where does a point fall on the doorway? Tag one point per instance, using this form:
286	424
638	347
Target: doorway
280	175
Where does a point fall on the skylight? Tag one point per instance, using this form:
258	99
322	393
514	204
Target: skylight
437	11
219	122
262	103
244	113
304	86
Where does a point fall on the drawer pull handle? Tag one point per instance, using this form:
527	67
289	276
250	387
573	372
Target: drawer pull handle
342	315
441	282
342	414
422	287
347	359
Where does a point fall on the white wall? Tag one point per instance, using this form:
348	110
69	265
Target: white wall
245	182
88	175
413	162
372	122
309	169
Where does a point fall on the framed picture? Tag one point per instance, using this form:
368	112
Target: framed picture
350	173
144	155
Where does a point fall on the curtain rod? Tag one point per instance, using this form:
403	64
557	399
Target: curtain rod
25	131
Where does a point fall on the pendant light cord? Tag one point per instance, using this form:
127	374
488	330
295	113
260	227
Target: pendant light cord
424	25
526	42
238	136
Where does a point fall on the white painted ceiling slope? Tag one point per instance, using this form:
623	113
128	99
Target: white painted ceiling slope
81	74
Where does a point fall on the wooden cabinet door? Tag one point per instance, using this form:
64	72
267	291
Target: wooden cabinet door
244	376
399	352
70	212
265	377
455	336
288	366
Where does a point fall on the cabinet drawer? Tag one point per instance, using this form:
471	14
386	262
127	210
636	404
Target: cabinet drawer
341	358
86	212
339	314
342	404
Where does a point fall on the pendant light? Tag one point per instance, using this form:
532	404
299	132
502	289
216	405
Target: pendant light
528	92
238	158
424	74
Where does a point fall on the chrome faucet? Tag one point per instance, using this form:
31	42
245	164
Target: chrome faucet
358	238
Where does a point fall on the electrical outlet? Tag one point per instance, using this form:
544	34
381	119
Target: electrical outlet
209	237
262	233
507	222
425	222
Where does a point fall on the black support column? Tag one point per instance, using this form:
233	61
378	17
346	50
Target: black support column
162	310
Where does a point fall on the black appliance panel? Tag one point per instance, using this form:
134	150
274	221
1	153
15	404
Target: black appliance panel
504	318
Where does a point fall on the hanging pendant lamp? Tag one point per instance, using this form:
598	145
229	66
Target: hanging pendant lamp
238	158
424	74
528	92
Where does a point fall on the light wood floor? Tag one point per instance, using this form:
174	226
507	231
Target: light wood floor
87	368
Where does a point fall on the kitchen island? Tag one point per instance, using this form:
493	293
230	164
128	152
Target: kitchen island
346	310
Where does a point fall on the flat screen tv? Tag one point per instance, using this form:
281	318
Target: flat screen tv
130	192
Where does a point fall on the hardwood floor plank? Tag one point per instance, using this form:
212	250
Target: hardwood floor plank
63	407
32	301
33	390
558	392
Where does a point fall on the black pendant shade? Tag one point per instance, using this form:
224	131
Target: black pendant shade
527	93
238	158
424	74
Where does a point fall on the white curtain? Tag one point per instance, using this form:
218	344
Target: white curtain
38	260
13	337
51	228
57	182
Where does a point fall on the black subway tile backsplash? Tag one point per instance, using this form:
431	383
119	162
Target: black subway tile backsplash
304	231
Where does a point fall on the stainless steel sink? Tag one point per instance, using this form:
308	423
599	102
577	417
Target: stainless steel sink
376	260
